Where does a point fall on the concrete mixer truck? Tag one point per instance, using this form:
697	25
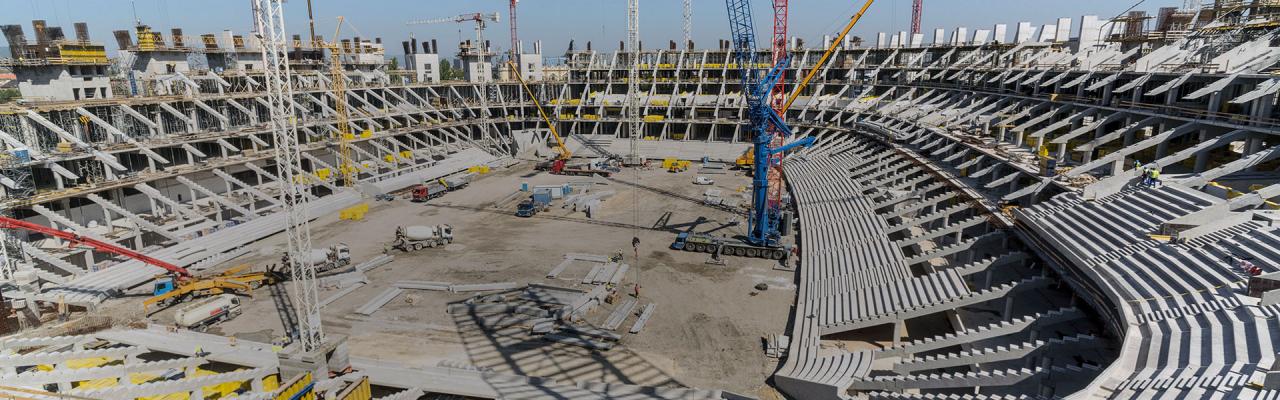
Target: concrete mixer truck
326	259
413	238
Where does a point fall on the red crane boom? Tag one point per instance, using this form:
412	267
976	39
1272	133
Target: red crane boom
776	98
917	9
10	223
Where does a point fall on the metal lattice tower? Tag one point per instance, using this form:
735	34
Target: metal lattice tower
515	40
688	24
269	20
633	78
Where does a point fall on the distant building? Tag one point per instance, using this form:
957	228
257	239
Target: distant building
55	68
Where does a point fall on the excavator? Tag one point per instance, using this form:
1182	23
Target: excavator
173	287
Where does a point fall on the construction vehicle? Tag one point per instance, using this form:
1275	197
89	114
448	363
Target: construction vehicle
457	181
704	243
746	160
766	126
428	191
176	285
562	167
200	315
702	180
168	291
674	166
326	259
536	203
414	238
177	277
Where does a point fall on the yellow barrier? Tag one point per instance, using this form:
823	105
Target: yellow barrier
357	391
354	213
479	169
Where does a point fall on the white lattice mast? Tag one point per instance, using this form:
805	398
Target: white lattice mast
688	24
633	78
269	20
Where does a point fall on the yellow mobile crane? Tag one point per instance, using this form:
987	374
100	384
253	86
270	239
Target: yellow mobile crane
564	151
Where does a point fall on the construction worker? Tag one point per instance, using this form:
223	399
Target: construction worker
1155	177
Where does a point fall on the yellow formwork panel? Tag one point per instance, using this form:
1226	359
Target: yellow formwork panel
654	118
407	155
357	391
298	388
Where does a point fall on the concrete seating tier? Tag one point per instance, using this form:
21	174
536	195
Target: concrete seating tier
1189	331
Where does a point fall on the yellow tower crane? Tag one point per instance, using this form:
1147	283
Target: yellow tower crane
338	84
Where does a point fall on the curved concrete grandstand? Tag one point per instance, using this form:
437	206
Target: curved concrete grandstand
1083	209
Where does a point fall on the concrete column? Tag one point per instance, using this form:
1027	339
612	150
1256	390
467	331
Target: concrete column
898	327
1008	308
1202	158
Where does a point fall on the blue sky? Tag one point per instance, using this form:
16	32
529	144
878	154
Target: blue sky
554	22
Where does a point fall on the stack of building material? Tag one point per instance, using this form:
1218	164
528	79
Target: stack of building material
644	318
482	287
611	273
775	345
380	300
620	314
424	285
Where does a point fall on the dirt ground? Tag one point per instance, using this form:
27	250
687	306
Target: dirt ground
706	330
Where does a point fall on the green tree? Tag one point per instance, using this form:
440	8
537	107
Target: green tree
448	72
8	95
395	64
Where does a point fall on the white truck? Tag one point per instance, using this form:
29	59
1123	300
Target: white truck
327	259
201	314
413	238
